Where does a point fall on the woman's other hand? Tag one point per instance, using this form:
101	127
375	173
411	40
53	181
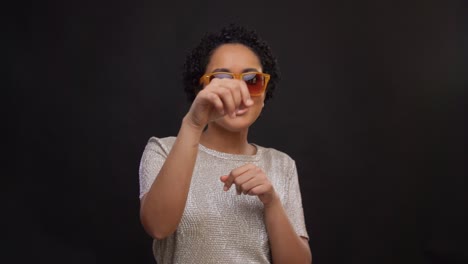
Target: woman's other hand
251	180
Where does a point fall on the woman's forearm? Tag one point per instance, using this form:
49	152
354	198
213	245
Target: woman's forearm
286	245
163	205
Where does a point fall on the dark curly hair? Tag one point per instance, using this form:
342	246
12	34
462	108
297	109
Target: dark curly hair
198	58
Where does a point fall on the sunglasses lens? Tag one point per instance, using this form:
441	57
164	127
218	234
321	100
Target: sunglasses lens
221	75
255	83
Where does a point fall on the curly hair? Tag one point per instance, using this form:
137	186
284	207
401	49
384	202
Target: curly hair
198	58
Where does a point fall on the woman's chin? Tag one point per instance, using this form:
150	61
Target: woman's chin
236	124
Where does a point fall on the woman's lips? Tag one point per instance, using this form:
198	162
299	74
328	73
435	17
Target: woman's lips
241	111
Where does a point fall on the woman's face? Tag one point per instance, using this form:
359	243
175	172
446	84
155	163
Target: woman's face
237	58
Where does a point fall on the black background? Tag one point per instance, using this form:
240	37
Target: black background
371	107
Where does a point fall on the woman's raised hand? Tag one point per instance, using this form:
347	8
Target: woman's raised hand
219	98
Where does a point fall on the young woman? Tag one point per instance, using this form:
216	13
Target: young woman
208	195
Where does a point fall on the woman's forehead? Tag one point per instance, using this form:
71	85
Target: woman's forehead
233	57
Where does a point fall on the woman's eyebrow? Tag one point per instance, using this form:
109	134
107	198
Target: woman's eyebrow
227	70
221	70
250	70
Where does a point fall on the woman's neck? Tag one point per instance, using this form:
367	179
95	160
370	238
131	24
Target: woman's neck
222	140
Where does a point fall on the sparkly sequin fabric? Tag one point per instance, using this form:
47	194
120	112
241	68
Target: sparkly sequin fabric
219	226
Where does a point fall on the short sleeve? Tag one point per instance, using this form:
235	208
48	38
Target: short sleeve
151	162
293	204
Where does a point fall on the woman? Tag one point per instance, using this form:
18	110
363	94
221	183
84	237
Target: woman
208	195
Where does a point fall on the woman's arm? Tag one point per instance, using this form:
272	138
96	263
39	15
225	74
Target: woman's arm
163	205
286	245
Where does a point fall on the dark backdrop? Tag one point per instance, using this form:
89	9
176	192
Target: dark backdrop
370	107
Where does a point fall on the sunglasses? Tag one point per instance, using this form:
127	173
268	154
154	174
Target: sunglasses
256	81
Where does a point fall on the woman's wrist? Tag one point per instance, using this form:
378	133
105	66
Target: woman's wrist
272	201
189	124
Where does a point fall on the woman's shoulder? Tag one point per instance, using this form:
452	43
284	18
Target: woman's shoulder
169	141
160	143
275	154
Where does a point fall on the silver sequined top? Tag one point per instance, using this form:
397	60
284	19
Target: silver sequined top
219	226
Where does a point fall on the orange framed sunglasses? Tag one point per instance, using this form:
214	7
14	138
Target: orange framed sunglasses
256	81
